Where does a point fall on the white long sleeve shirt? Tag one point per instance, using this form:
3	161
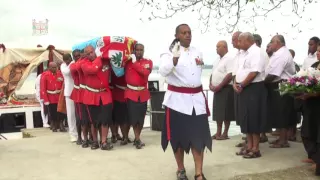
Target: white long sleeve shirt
68	80
185	74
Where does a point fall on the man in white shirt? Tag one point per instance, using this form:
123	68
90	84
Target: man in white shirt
186	125
281	112
258	41
221	85
252	100
68	87
43	115
312	49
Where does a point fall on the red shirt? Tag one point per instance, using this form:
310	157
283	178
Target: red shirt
119	85
97	75
50	86
75	95
81	78
137	75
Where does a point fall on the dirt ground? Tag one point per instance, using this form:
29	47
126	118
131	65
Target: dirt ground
297	173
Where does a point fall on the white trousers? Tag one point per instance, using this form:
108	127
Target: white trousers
43	116
71	116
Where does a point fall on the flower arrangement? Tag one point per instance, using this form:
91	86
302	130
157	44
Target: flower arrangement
304	82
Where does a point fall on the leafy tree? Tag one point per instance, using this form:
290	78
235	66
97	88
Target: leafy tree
225	14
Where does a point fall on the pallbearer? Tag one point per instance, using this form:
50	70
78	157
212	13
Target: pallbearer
82	108
120	110
98	97
75	94
137	94
186	125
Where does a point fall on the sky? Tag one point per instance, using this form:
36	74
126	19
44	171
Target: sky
74	21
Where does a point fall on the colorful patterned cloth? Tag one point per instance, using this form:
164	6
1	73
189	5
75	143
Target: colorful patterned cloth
115	48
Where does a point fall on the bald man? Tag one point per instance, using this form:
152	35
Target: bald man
281	112
249	85
50	88
221	85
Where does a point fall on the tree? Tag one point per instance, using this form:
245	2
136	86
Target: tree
226	14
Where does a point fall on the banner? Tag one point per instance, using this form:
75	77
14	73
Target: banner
40	27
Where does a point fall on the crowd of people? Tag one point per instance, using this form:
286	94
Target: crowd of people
96	99
245	90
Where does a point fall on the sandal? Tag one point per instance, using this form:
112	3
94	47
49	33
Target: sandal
200	175
181	174
222	137
124	141
85	144
139	144
285	145
252	155
243	144
135	141
274	142
106	146
263	139
114	139
79	141
214	136
242	152
94	145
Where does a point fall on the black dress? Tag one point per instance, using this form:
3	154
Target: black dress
310	130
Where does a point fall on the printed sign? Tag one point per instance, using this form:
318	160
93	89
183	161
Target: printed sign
39	27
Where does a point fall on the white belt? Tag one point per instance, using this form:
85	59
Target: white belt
76	87
82	86
136	88
95	90
121	87
54	92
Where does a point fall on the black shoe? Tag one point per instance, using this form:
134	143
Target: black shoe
119	138
200	175
139	144
106	146
124	141
79	141
94	145
85	144
114	139
181	174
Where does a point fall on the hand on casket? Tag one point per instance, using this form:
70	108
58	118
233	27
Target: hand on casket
133	58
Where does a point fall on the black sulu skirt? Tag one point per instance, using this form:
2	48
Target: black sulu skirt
85	121
236	107
120	113
223	105
100	115
252	109
136	112
185	131
311	119
281	109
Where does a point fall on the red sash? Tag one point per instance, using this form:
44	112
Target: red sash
188	90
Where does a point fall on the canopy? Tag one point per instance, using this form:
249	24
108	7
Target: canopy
16	64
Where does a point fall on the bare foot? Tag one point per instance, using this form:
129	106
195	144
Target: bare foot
314	166
310	161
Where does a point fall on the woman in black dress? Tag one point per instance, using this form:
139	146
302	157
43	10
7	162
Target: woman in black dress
310	130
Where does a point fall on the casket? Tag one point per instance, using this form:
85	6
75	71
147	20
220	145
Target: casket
115	48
